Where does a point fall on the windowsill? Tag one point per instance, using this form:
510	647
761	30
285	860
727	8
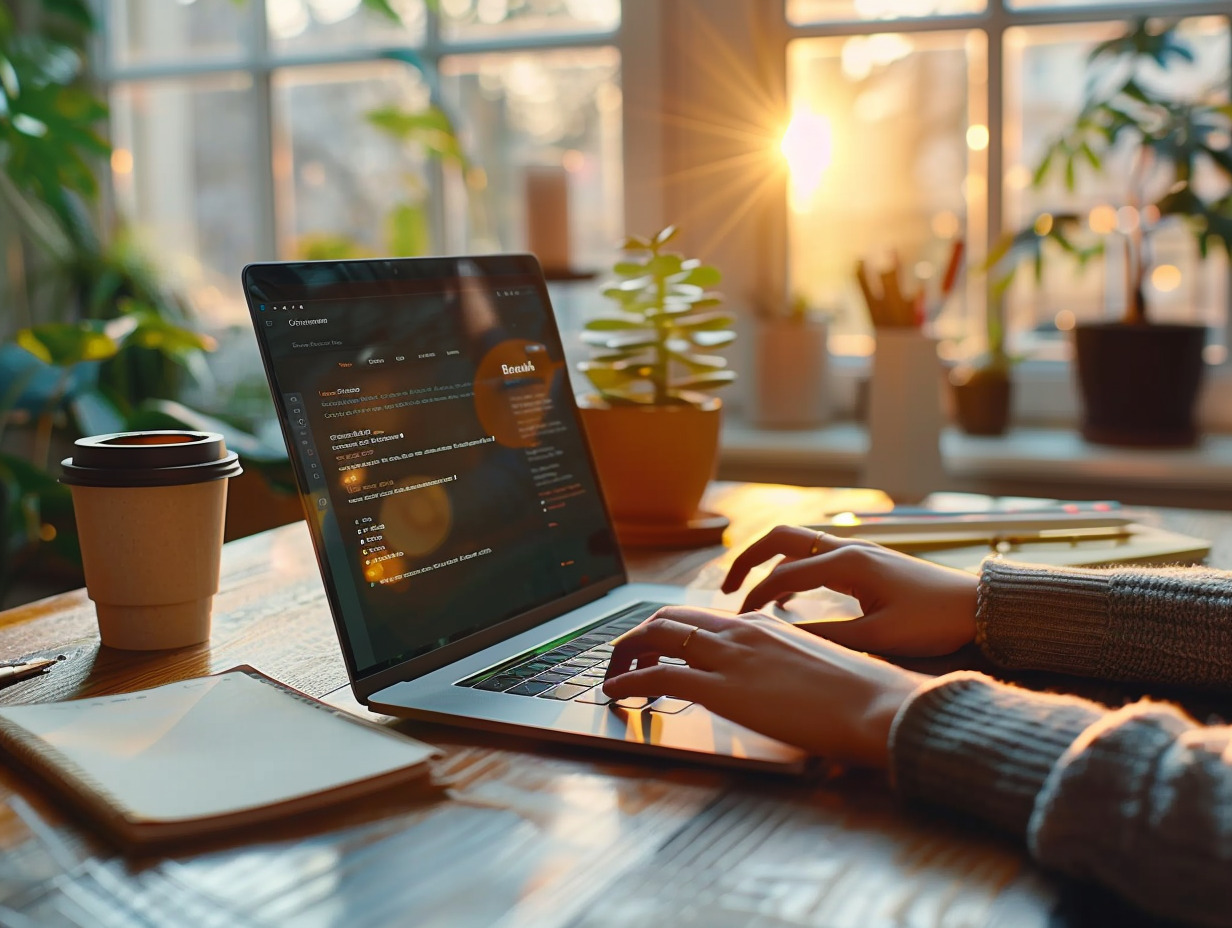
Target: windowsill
1025	461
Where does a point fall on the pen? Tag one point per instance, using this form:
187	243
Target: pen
15	672
1003	542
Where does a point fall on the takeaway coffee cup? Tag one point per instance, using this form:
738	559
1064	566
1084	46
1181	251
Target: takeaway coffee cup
150	509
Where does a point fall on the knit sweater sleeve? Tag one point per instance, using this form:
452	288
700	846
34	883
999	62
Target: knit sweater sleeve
1167	625
1139	799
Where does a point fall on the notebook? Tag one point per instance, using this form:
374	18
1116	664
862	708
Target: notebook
1080	539
204	755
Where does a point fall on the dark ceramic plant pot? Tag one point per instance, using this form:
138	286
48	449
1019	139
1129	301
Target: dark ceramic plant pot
1139	383
982	400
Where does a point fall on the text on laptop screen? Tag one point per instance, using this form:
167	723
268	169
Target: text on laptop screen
439	447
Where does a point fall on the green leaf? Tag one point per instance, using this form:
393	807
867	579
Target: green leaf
76	10
705	381
703	276
663	236
625	398
606	376
699	362
633	285
629	268
9	81
662	266
614	323
408	231
154	332
430	128
636	355
712	339
635	243
65	344
686	292
628	299
672	309
621	342
1045	165
706	322
382	7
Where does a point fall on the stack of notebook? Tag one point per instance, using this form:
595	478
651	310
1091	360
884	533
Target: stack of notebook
1065	535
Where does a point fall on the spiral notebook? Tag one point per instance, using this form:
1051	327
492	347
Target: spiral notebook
204	755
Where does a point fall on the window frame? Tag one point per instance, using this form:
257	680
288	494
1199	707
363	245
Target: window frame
1046	393
259	62
650	44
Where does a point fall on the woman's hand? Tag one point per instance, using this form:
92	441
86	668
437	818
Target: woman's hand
912	608
767	675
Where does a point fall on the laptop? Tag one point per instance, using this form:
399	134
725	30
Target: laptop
467	554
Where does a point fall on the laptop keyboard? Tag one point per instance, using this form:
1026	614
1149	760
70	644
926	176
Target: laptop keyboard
572	670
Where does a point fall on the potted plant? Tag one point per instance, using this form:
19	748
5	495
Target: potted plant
91	340
983	389
1139	379
654	435
792	359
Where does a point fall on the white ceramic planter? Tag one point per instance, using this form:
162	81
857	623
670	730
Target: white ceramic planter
905	417
793	374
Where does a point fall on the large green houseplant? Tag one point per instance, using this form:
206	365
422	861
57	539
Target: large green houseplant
1139	379
653	428
91	341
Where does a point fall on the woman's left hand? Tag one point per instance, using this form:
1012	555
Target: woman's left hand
767	675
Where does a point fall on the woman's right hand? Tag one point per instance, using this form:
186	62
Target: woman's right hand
912	608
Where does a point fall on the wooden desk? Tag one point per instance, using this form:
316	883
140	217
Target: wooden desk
513	832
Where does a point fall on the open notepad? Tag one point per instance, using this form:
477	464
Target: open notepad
204	755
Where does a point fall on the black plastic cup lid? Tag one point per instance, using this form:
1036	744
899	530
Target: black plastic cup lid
149	459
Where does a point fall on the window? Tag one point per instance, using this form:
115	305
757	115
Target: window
927	118
246	131
242	132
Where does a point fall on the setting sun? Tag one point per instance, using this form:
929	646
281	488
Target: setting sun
807	146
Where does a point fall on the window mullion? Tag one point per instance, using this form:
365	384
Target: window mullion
263	116
998	22
432	55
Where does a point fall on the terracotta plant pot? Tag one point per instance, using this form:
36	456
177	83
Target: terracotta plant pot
1140	383
982	399
654	461
793	389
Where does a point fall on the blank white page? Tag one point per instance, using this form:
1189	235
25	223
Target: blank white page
206	747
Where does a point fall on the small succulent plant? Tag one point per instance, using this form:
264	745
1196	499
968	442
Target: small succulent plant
651	350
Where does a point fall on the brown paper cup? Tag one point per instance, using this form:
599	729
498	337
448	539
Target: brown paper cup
151	551
151	557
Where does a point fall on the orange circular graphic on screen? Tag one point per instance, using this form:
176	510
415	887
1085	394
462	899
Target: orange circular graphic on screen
417	522
513	391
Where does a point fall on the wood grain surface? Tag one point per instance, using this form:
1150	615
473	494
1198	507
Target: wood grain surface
510	831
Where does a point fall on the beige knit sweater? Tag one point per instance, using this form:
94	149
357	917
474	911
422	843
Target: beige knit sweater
1138	799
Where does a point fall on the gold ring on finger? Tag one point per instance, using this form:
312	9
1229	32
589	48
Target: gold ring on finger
684	645
816	545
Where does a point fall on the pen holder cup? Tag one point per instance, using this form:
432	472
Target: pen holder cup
150	510
905	416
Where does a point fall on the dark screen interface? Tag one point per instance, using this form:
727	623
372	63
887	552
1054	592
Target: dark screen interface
439	449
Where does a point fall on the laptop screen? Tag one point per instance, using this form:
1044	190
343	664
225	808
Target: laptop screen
427	406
